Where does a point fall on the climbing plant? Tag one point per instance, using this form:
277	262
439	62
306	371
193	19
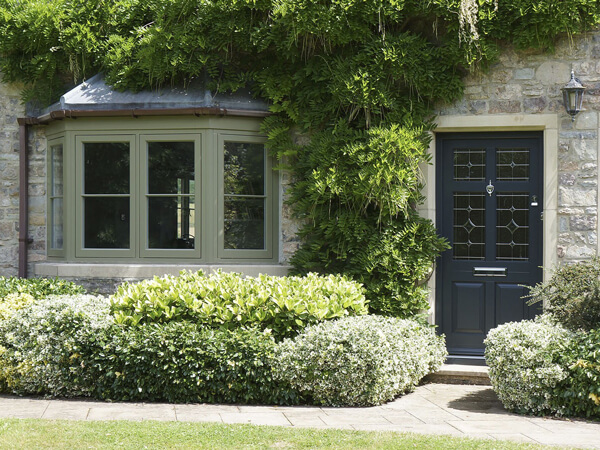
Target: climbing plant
357	80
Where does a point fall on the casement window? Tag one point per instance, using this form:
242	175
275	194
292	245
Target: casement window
205	196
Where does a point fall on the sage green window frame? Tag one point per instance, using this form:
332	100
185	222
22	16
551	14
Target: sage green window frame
270	200
145	250
80	250
54	196
208	133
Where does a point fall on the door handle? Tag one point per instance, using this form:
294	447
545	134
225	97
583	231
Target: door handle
490	271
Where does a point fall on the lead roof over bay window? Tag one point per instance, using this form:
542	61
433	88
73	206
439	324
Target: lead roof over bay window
197	187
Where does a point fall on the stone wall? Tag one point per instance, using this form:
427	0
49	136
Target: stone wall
11	108
37	197
530	83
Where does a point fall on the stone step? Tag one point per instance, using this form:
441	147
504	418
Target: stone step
460	374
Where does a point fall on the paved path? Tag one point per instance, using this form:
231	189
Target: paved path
457	410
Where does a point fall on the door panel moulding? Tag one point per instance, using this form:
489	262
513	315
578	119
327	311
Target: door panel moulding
548	123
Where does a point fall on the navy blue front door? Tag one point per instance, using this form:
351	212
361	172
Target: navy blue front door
490	209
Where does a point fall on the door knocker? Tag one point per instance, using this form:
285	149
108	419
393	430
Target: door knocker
490	188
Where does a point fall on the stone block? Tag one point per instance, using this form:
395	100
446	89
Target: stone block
579	252
535	105
586	120
566	179
563	224
477	107
551	72
576	196
582	223
504	106
509	92
525	73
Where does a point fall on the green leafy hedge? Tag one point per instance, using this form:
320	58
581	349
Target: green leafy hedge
231	300
579	394
39	344
524	367
539	367
183	362
359	361
572	295
37	287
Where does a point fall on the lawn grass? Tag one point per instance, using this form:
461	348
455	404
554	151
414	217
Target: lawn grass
56	434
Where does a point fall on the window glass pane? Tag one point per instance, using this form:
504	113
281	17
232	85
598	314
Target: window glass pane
106	168
469	164
56	239
469	226
170	167
56	201
512	226
244	168
171	222
106	222
512	164
244	226
57	171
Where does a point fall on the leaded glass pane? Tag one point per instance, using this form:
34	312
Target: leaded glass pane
244	226
469	164
171	222
512	164
244	168
106	168
169	165
57	171
56	197
56	239
512	226
106	222
469	226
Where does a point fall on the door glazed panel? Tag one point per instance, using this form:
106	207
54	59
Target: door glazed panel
489	208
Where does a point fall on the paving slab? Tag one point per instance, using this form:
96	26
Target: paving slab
66	410
22	407
256	418
441	409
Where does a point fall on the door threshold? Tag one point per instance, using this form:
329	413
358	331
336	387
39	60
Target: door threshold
467	360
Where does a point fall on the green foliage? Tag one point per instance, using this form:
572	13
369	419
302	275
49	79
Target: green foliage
572	295
39	344
579	393
13	303
359	361
524	364
230	300
359	78
182	362
360	219
37	287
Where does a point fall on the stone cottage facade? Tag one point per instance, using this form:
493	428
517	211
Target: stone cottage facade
520	94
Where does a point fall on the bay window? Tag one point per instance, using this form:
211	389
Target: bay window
204	195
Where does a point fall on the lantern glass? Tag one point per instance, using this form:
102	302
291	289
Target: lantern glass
573	96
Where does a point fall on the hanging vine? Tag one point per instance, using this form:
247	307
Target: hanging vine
358	78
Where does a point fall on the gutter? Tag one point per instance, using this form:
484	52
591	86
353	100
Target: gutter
140	112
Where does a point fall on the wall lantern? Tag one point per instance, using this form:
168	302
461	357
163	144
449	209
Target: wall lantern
573	96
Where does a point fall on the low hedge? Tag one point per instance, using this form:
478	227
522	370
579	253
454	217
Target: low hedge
359	361
230	300
182	362
579	393
39	344
523	360
38	287
572	295
540	367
